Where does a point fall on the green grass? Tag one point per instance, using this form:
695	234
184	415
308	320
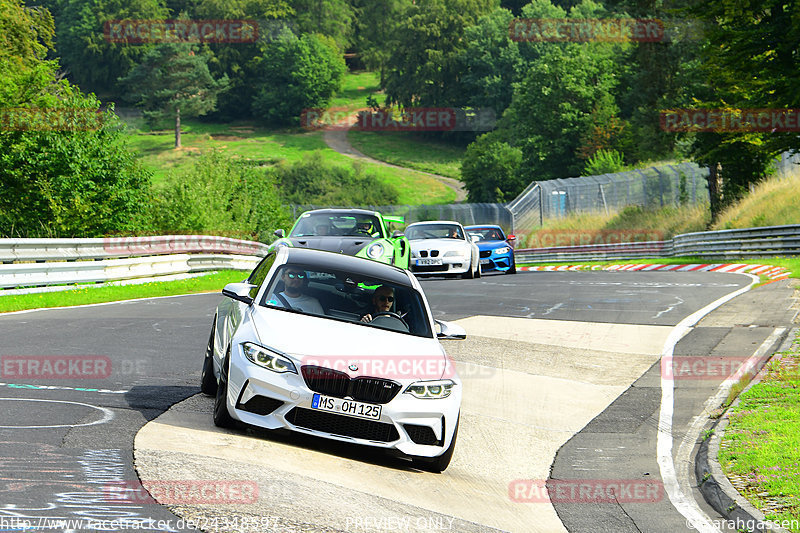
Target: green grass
761	444
772	203
91	295
357	86
427	154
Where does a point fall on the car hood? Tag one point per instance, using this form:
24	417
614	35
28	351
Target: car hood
438	244
491	245
344	245
337	344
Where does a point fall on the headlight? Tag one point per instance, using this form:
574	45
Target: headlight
454	253
501	251
267	358
375	250
431	389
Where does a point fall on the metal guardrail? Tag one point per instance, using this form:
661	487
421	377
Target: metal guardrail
42	262
117	247
751	242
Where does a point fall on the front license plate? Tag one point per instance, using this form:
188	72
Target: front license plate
429	262
486	261
346	407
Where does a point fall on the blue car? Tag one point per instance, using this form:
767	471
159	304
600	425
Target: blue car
496	251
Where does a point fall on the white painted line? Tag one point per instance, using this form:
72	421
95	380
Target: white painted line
108	414
683	501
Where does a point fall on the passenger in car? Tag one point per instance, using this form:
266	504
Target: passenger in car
292	296
382	301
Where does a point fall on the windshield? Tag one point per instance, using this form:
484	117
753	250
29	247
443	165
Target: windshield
434	231
487	234
338	225
340	295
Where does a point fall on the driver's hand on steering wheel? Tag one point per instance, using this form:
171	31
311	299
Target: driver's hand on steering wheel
366	318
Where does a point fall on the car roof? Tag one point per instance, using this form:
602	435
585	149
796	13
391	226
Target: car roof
334	211
436	222
477	226
356	265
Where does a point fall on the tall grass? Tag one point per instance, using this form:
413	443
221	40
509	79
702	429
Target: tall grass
773	202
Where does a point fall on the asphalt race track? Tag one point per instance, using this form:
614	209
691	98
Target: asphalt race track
548	370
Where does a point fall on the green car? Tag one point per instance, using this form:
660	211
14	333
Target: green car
355	232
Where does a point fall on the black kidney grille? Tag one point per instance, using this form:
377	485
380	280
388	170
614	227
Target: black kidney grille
339	385
326	381
346	426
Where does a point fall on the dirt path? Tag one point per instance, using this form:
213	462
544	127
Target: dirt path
336	139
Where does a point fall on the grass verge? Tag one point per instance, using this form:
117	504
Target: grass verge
92	295
760	450
425	153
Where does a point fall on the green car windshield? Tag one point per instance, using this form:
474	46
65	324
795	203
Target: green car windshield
323	225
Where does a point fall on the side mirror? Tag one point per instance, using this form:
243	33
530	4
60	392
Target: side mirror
512	237
397	234
239	292
279	233
449	331
474	238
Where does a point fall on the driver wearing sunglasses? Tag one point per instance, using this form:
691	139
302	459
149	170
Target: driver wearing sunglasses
382	301
292	296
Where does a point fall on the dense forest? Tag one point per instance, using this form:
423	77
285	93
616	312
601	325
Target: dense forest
564	106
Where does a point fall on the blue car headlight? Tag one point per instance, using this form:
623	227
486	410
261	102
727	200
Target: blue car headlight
264	357
501	251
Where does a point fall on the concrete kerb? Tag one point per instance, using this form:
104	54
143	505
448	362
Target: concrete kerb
714	484
774	273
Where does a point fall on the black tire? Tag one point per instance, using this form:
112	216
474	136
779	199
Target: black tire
513	269
479	272
208	381
222	418
469	274
437	465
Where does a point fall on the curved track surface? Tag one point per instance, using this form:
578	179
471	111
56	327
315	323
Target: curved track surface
546	354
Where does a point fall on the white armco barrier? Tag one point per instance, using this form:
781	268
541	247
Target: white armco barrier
113	247
69	272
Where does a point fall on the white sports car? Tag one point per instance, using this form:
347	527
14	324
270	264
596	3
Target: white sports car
442	248
338	347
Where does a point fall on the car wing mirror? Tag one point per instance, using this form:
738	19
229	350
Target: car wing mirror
447	330
511	237
239	292
474	238
279	233
397	234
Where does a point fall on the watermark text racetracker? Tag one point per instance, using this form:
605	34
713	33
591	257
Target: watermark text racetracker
730	120
568	237
586	491
426	367
50	119
408	119
183	492
141	31
55	367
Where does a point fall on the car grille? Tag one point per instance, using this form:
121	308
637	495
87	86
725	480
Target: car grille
432	253
346	426
422	435
338	384
260	405
486	253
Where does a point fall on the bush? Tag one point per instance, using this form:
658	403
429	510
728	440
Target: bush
316	181
296	74
219	196
490	170
604	162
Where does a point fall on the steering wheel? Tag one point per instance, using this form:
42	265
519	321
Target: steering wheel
391	314
363	232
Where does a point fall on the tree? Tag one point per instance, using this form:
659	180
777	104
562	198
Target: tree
295	74
91	59
490	170
490	63
423	68
64	168
332	18
173	79
375	21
